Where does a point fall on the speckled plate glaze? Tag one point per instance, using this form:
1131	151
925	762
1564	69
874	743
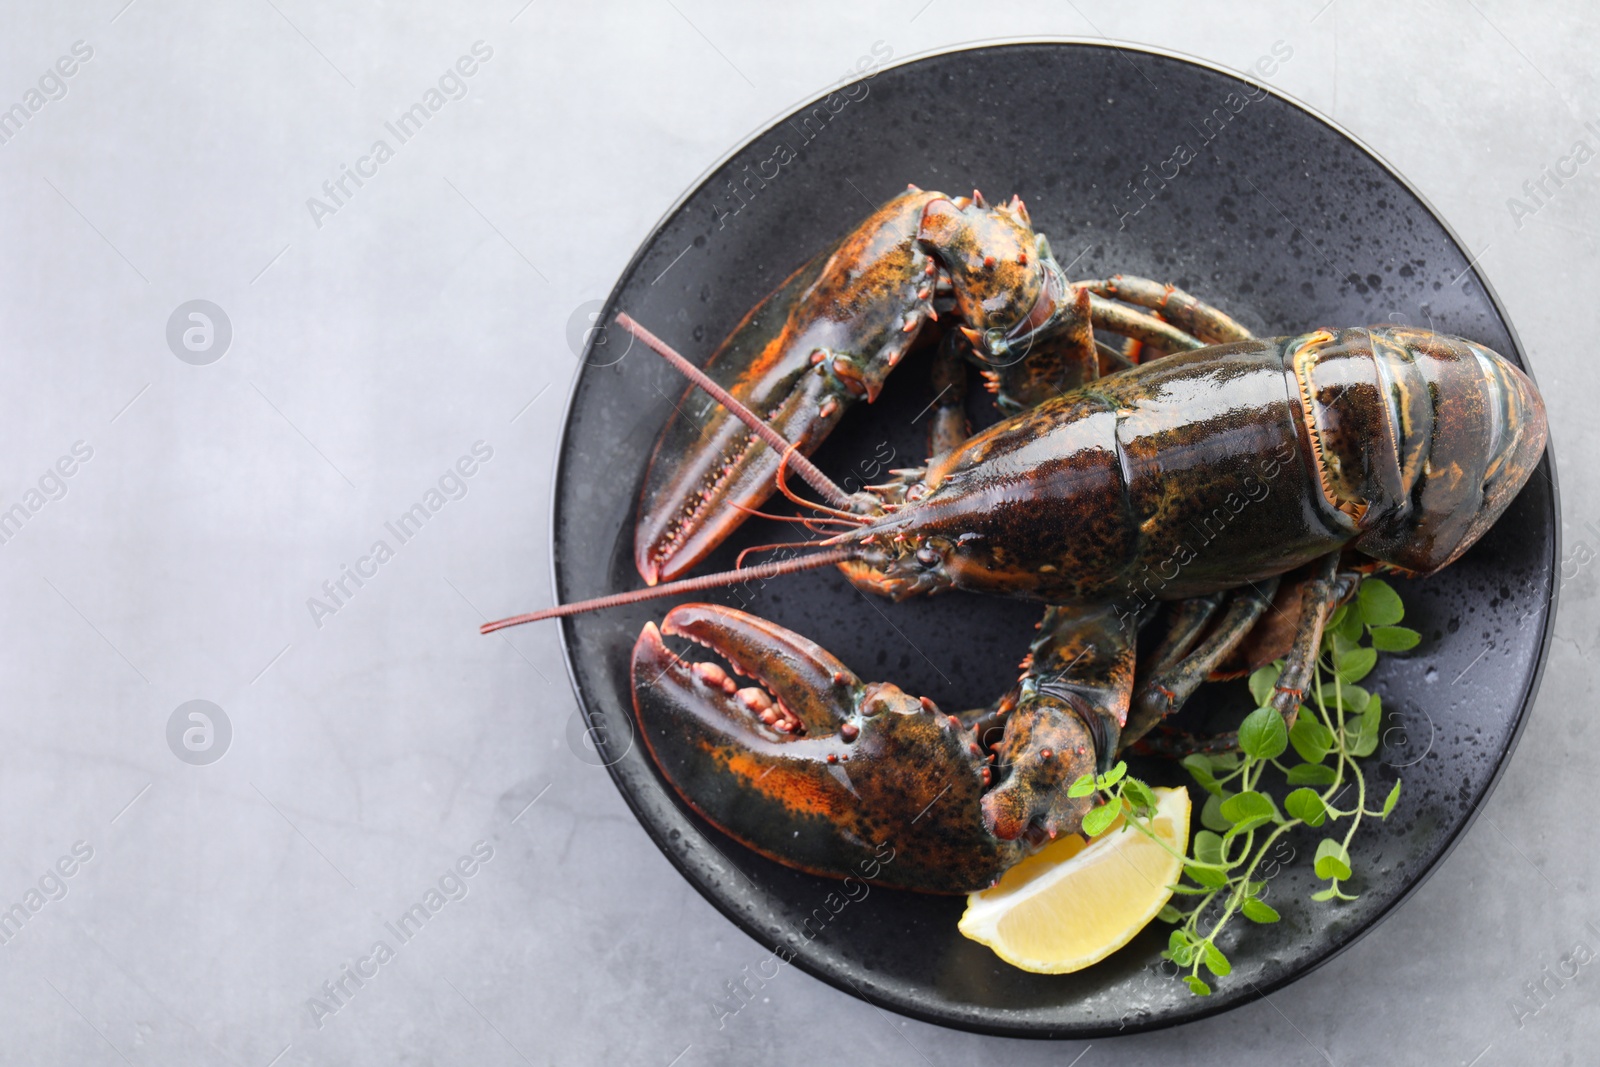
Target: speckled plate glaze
1279	218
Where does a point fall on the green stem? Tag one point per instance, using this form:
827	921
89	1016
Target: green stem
1338	739
1149	831
1236	898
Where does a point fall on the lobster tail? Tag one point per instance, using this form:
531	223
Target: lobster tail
1421	439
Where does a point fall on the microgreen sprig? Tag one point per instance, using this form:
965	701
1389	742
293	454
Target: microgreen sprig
1223	871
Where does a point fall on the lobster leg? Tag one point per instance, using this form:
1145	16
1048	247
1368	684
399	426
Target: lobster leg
949	427
1189	619
1135	325
1320	597
1180	323
1210	325
1173	743
1161	694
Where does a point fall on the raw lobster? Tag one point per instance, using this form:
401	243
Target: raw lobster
1162	468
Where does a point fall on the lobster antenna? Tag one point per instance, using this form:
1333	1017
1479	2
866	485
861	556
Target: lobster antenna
759	572
807	470
738	562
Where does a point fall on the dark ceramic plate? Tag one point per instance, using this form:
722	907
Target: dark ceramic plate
1279	218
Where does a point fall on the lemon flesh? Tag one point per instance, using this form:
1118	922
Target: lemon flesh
1074	903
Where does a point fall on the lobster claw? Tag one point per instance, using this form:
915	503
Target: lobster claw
811	766
826	338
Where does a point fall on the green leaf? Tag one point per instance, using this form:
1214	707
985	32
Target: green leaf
1262	681
1083	787
1258	911
1244	826
1262	735
1207	847
1248	805
1310	774
1211	815
1226	761
1206	876
1139	795
1189	890
1325	894
1391	800
1196	986
1350	628
1332	859
1169	914
1310	738
1353	725
1306	805
1365	736
1394	638
1199	768
1336	620
1099	819
1114	775
1378	603
1180	949
1352	697
1354	665
1214	960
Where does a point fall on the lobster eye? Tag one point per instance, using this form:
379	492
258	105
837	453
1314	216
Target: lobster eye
928	556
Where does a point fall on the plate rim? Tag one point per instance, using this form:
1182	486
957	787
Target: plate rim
1210	1007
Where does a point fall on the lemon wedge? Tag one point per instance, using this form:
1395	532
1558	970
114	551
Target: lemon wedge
1074	903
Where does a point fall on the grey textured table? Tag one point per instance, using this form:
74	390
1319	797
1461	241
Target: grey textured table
202	488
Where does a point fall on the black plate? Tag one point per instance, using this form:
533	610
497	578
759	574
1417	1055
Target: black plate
1282	220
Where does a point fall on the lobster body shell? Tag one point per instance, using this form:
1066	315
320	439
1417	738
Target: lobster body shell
1230	464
